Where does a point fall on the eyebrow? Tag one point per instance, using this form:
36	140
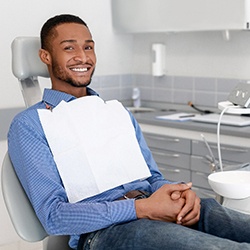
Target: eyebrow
74	41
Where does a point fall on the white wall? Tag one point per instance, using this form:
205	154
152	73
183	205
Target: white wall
201	54
25	18
189	54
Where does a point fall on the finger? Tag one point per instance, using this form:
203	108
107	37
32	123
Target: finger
183	214
190	184
192	215
175	195
178	187
192	221
192	203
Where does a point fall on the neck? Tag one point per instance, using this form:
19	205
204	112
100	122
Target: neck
69	89
74	91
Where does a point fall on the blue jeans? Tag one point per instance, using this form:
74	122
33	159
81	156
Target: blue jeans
218	228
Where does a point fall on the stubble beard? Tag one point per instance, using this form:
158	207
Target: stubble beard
63	76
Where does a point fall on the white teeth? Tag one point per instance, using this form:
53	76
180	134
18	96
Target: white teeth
79	69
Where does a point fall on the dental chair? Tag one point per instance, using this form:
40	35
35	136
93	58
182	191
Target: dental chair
27	67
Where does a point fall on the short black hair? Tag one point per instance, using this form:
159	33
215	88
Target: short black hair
49	26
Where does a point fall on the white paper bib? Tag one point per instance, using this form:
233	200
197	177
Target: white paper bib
94	146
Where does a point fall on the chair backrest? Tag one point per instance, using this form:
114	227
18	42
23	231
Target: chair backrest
27	67
22	215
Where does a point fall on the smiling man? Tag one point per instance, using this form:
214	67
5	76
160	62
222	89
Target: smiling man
148	212
70	57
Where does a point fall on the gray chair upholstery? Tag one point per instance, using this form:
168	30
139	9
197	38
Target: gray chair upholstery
21	213
27	67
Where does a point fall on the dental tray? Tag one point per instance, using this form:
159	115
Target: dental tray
232	120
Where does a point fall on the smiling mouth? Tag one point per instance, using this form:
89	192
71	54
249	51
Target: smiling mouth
79	69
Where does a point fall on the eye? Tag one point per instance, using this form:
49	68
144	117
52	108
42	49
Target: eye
69	48
88	47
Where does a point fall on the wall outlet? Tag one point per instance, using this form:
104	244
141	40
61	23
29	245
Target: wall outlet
240	95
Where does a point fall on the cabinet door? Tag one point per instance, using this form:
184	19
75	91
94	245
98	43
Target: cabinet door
228	153
175	174
200	180
201	164
170	158
137	16
204	193
168	143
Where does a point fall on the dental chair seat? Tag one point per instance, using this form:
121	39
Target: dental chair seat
27	67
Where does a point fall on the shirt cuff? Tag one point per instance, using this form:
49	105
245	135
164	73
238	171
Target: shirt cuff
123	211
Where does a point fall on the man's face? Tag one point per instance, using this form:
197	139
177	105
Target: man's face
73	57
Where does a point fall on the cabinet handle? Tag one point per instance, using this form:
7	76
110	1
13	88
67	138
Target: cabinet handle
166	155
236	150
174	170
162	138
170	170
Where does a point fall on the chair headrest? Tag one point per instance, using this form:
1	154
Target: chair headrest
25	58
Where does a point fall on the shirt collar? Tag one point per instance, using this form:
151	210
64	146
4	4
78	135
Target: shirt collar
54	97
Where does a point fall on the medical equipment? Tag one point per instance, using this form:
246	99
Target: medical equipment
26	66
225	183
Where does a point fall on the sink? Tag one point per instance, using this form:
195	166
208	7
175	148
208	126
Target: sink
231	184
140	109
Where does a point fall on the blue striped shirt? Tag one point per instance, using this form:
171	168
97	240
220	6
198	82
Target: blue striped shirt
37	171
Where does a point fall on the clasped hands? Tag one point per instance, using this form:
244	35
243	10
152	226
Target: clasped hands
172	203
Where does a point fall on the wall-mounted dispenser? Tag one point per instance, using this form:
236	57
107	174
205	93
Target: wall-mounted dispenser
158	65
136	97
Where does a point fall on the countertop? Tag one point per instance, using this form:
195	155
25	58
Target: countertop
150	119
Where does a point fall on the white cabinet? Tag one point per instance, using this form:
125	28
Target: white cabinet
173	156
140	16
183	159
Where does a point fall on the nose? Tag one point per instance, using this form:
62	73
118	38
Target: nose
81	56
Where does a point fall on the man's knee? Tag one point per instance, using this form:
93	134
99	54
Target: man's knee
209	203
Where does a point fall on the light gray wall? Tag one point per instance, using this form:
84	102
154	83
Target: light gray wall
197	54
25	18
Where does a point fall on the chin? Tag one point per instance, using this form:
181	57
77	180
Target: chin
79	84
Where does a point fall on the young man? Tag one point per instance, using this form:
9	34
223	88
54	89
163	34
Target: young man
150	213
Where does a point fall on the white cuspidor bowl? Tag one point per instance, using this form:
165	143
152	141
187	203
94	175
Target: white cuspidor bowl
231	184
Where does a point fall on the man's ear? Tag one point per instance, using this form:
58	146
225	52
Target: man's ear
45	56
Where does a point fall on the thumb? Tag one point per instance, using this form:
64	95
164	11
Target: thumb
189	184
180	187
176	195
